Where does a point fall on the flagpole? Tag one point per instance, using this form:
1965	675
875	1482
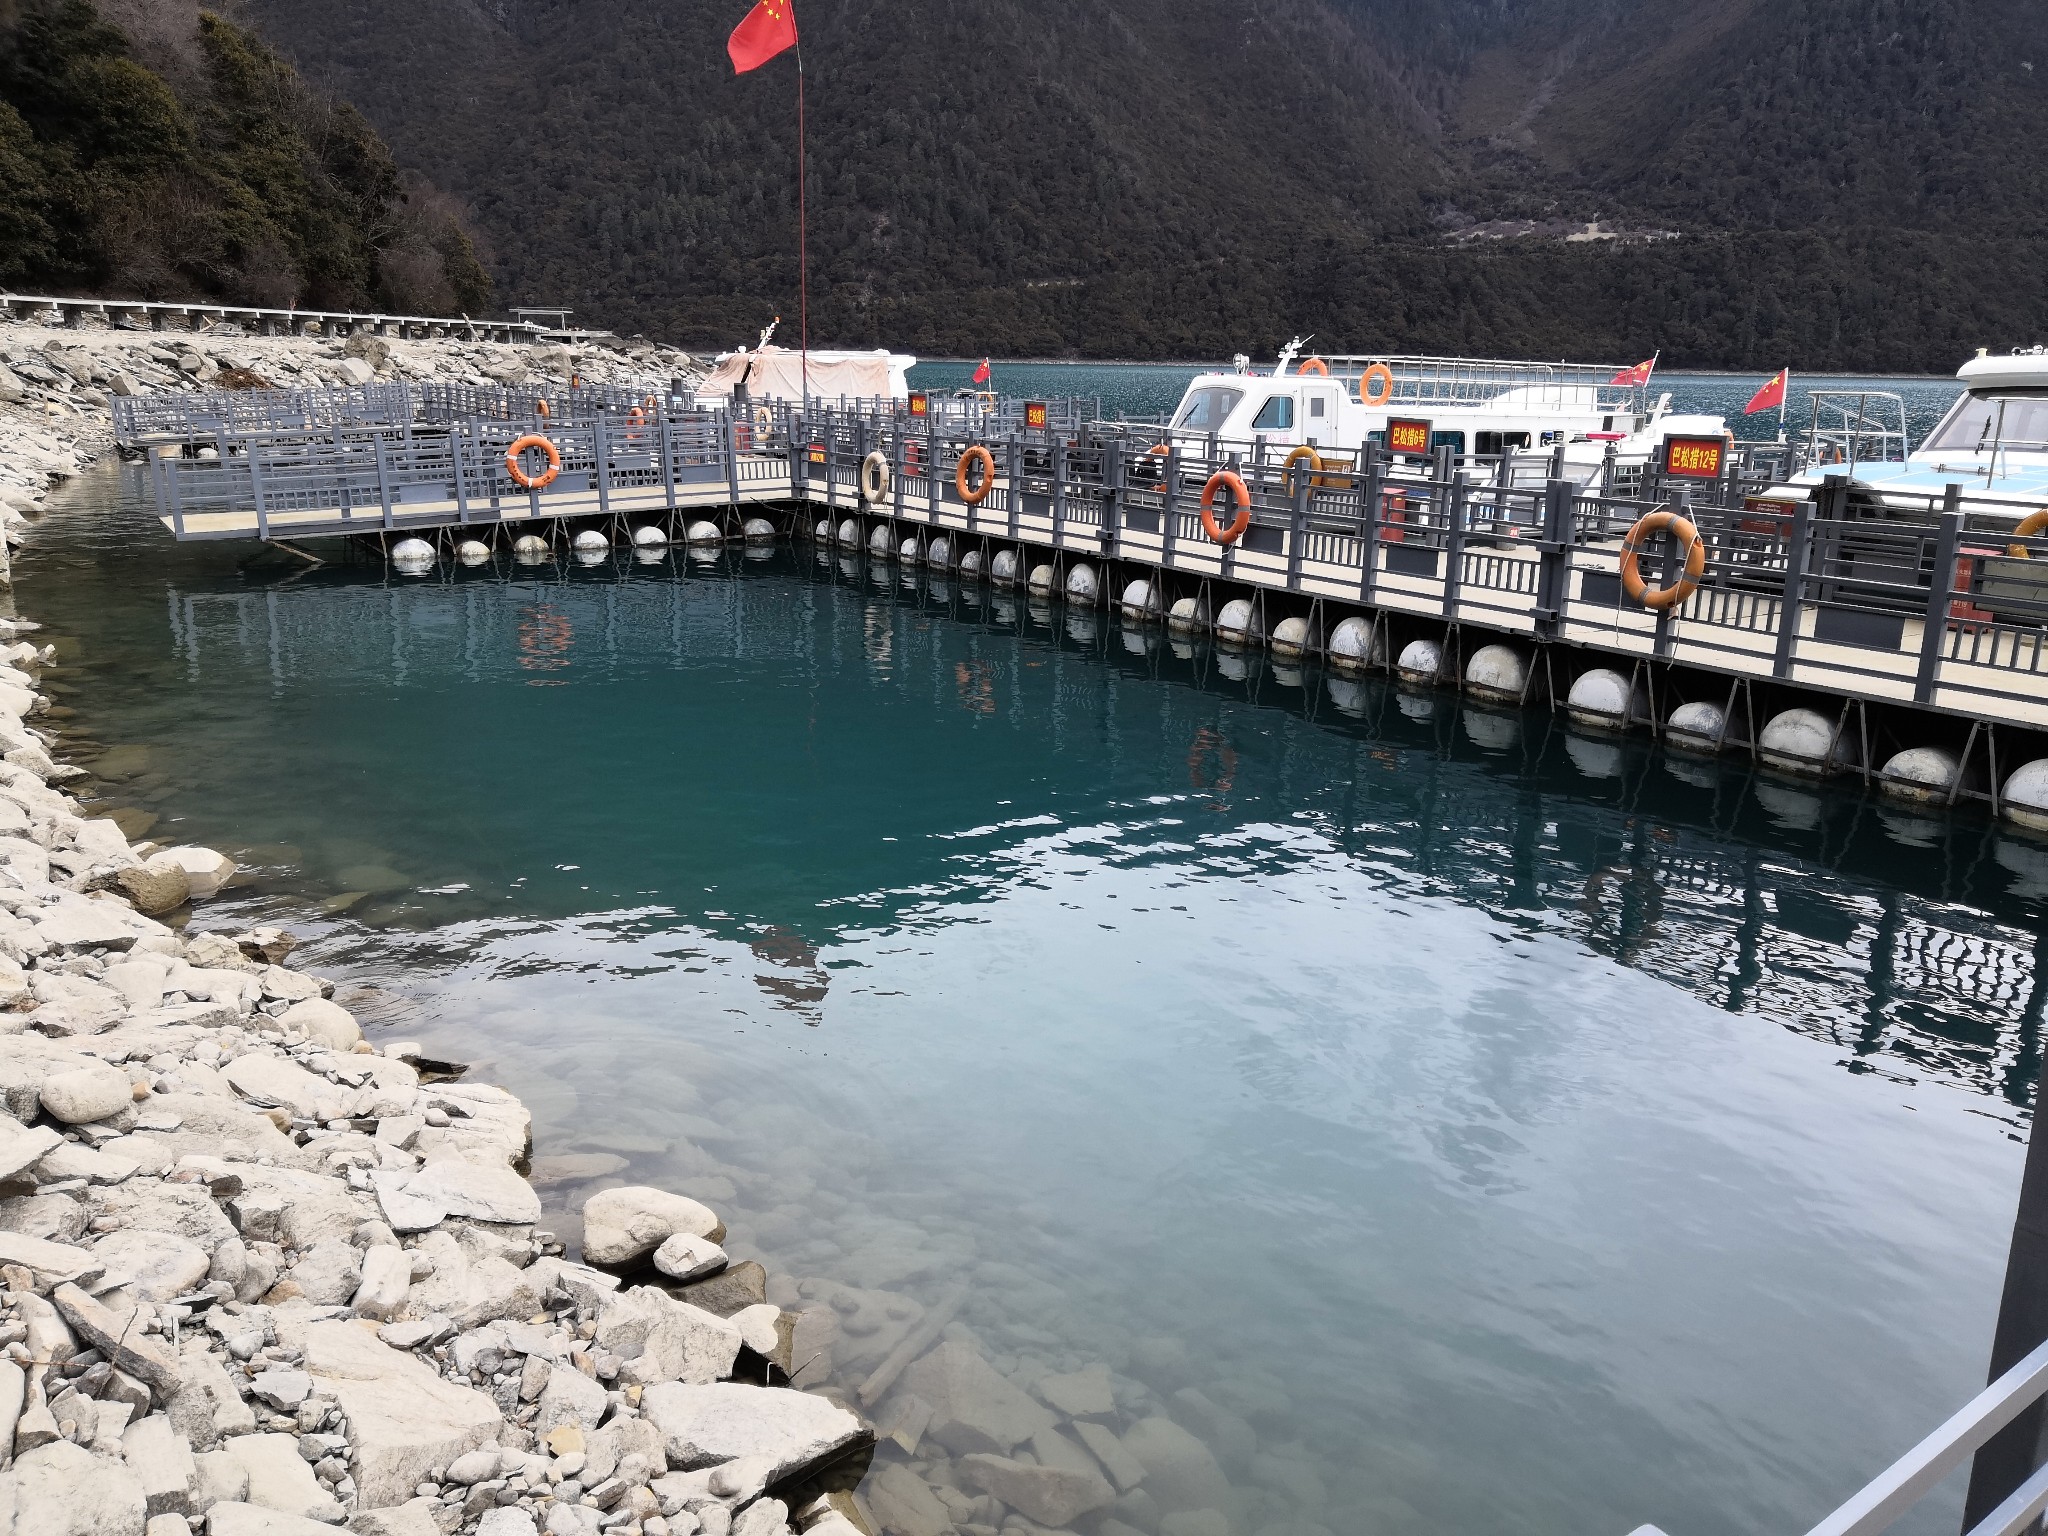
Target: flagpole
1784	398
803	255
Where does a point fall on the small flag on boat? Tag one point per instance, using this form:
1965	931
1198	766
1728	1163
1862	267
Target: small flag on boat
1640	374
1772	395
768	29
983	374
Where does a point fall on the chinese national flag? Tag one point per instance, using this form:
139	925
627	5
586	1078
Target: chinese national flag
1771	395
982	374
768	29
1640	374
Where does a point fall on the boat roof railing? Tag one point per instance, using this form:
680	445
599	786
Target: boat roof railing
1857	426
1424	381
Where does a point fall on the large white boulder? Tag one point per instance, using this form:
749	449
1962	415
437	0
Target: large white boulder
324	1023
662	1339
61	1489
624	1224
403	1418
701	1426
205	870
84	1094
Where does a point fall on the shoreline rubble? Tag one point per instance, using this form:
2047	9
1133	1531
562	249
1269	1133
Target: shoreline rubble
262	1278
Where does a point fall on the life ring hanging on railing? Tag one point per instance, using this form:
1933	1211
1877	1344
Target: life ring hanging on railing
1226	479
518	471
975	455
1680	528
874	477
1316	366
636	422
1305	454
540	408
2029	527
1376	385
1393	511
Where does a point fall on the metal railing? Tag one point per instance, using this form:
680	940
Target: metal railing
290	322
1894	1491
208	414
1932	600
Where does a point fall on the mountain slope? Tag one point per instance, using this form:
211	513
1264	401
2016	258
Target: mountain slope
1833	183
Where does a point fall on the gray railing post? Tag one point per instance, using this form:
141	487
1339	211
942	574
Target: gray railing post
1553	559
1940	592
1673	563
1793	601
1013	458
1112	497
1454	542
600	451
383	476
1169	506
730	440
1374	482
1059	491
1297	527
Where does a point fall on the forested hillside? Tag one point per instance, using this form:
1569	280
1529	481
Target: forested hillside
1830	183
177	156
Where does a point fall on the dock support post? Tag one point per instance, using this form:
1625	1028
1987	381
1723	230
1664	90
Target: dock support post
732	458
1553	568
1373	482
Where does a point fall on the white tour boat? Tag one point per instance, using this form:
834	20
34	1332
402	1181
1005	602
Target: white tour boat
1479	409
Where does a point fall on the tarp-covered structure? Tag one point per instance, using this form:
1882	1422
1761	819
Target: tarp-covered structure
777	373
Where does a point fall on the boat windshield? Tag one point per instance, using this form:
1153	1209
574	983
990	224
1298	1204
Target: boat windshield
1974	424
1208	409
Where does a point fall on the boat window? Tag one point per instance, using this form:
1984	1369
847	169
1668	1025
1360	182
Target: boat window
1276	415
1974	423
1315	405
1208	409
1455	441
1500	442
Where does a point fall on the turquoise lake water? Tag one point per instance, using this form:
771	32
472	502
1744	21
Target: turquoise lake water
1514	1131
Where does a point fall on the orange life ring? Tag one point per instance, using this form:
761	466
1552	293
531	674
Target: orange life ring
1305	454
1316	366
1243	497
2028	527
1631	560
540	408
636	417
987	460
1376	386
518	472
650	402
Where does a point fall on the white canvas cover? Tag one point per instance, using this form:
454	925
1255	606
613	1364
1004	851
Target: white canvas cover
778	373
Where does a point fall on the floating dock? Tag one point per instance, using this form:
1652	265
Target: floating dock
1820	629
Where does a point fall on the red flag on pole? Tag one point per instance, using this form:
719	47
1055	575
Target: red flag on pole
1772	395
982	374
768	29
1640	374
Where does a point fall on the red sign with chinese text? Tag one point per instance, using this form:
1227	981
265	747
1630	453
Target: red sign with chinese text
1035	413
920	403
1694	458
1407	435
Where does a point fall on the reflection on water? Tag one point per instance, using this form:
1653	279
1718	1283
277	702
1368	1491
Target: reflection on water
1452	1102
